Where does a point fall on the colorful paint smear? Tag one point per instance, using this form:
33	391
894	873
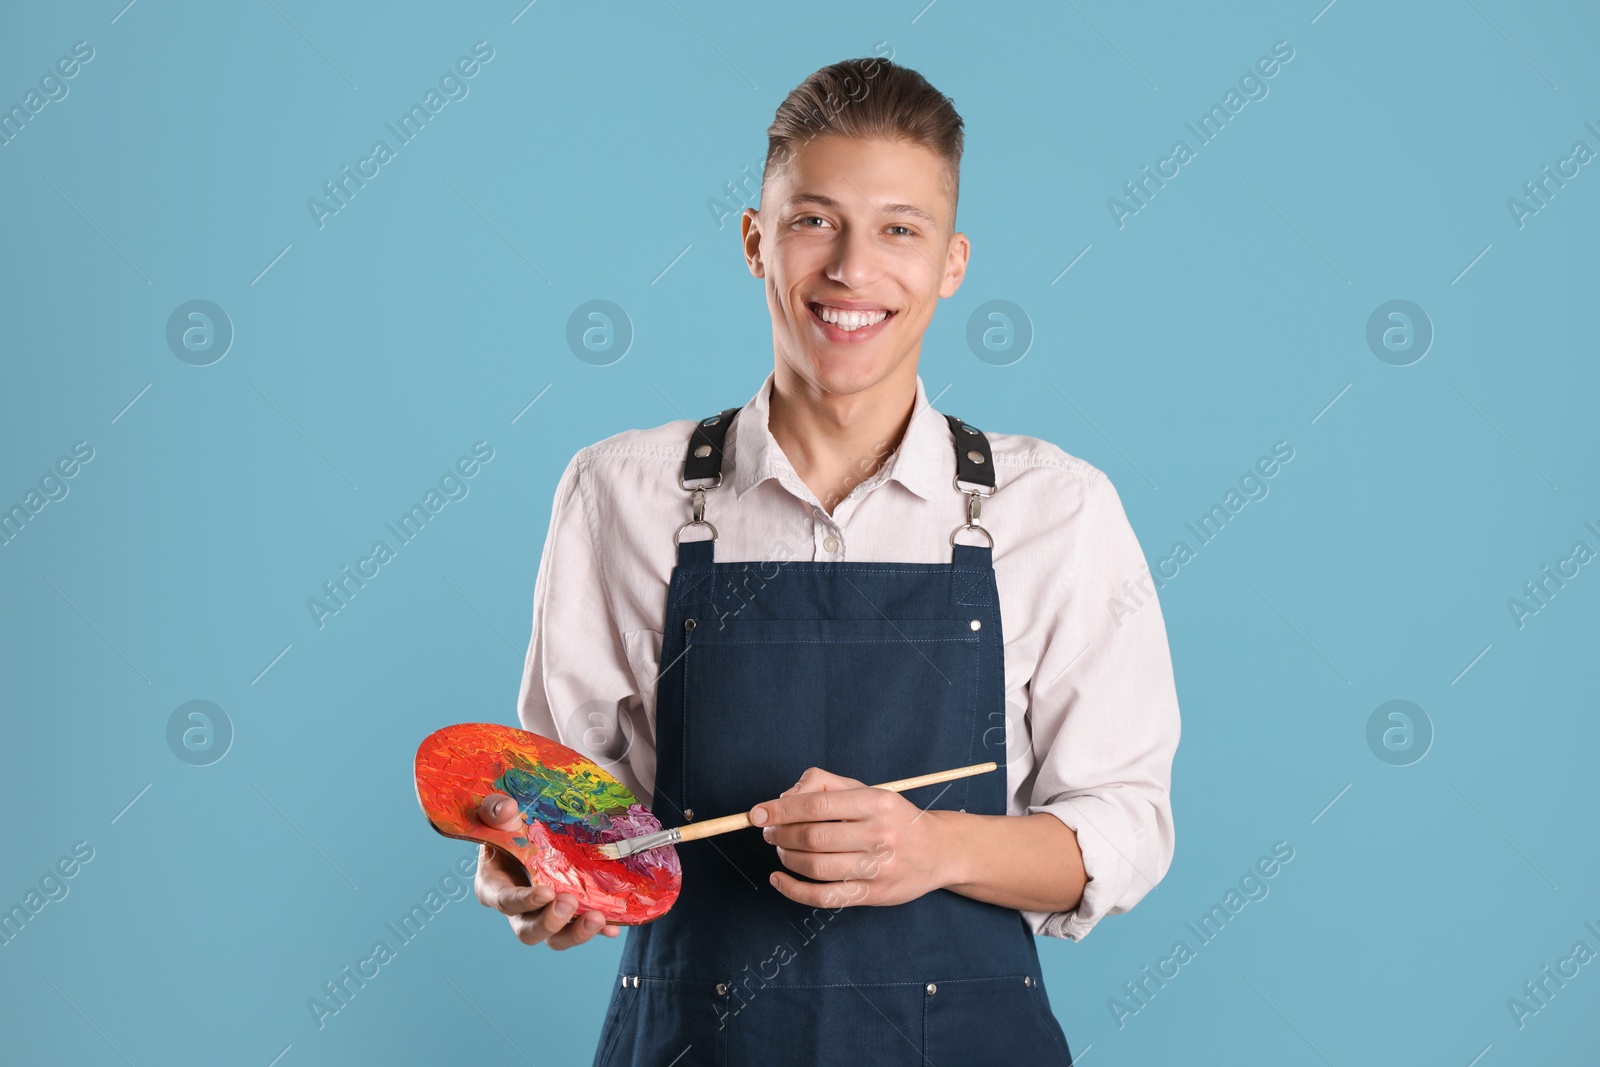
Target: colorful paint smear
570	806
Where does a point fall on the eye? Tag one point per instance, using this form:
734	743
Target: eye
907	229
803	219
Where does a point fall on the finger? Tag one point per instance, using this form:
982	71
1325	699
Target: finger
580	930
501	812
540	925
509	898
829	895
545	926
828	866
584	926
819	806
502	883
851	836
815	778
555	918
528	928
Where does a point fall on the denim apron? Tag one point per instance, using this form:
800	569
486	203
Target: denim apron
876	671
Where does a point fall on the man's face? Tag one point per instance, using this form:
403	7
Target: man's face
854	231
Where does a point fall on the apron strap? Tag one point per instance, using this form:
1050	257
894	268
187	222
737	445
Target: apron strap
974	463
703	461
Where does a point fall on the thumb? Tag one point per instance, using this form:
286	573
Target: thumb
501	812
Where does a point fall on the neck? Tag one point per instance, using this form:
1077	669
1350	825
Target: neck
836	441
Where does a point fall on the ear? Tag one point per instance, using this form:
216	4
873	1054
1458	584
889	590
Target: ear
750	238
955	265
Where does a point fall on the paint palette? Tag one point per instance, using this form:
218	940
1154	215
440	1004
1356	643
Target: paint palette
570	806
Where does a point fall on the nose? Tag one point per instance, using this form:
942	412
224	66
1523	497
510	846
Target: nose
854	261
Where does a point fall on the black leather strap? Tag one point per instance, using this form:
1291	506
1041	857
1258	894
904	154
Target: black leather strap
974	462
704	458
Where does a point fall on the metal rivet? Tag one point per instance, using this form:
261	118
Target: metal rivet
976	457
712	421
688	814
977	624
962	810
703	451
722	989
969	429
932	989
688	624
1027	979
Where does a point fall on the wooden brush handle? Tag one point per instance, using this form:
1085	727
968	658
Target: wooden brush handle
729	823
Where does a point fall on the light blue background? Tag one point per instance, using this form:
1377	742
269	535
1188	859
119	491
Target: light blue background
1228	314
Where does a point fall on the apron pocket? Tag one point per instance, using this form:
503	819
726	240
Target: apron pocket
975	1022
650	1024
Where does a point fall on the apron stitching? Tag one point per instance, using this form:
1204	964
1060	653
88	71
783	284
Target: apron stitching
683	730
616	1027
963	639
692	585
977	721
856	567
927	1007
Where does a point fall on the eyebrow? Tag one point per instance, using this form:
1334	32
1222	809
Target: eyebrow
887	209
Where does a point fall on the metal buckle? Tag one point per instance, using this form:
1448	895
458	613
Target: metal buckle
954	481
679	531
970	526
974	510
692	488
699	500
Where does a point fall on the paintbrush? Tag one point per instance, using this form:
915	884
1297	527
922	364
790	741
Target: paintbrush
711	827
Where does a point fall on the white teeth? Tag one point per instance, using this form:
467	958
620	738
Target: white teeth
850	320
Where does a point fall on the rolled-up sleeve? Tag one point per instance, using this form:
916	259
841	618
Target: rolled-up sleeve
577	685
1104	713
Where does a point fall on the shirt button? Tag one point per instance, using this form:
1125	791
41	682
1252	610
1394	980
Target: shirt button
830	543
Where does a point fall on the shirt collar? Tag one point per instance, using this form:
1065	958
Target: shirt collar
915	464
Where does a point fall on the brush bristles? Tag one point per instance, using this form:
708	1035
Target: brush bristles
615	850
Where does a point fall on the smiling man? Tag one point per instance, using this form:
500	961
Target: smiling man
771	608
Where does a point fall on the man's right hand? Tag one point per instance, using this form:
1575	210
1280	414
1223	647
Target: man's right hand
536	913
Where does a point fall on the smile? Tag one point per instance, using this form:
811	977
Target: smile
844	323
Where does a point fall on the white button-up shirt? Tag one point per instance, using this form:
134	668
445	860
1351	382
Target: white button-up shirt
1091	708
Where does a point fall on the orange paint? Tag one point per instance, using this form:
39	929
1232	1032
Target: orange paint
569	804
